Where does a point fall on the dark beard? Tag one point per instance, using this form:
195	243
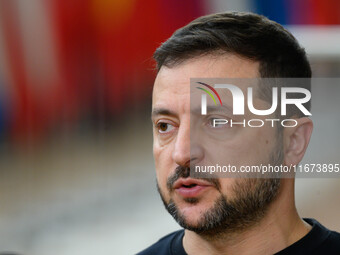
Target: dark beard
251	202
229	216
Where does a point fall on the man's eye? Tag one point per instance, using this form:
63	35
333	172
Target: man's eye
164	127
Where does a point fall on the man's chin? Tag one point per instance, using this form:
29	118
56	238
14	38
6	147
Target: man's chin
192	212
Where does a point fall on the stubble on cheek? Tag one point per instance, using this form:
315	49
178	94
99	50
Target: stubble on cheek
162	167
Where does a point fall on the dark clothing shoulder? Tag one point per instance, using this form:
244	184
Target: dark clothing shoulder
168	245
319	241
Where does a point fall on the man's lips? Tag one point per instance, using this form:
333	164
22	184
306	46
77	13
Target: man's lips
191	187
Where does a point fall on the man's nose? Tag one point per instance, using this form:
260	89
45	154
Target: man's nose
186	151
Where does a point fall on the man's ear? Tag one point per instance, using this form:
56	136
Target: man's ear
296	140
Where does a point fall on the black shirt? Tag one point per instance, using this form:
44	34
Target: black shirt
319	241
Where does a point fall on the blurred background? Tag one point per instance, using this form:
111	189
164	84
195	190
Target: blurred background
76	166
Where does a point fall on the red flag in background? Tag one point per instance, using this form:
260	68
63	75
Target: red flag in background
28	116
75	58
43	86
325	12
65	57
127	33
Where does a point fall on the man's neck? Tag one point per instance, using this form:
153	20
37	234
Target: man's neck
280	228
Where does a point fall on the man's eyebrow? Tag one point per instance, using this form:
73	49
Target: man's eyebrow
162	111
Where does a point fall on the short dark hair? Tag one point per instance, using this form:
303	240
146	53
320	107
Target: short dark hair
248	35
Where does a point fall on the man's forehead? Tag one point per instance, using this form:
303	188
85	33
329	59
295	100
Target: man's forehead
169	83
174	82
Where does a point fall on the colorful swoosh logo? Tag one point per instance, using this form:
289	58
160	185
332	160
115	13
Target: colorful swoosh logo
209	93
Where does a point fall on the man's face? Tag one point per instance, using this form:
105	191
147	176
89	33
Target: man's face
209	199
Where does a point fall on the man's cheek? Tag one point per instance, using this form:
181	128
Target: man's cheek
162	164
